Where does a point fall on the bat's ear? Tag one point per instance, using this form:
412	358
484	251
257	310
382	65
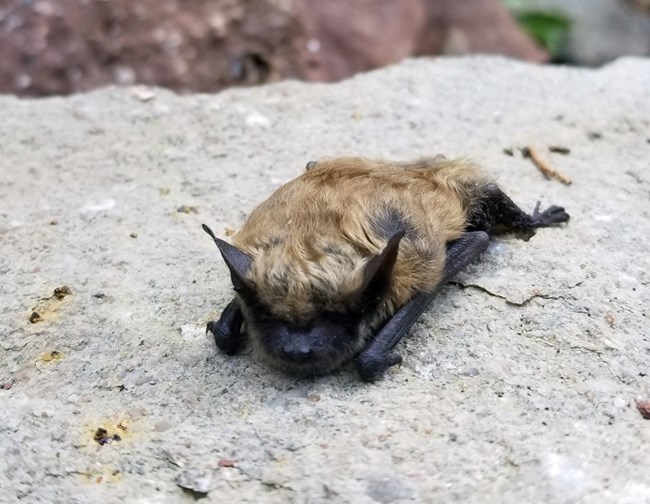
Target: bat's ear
237	261
378	271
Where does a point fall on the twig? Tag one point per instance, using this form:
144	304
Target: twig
559	149
544	167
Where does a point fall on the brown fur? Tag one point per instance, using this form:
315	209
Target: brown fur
311	239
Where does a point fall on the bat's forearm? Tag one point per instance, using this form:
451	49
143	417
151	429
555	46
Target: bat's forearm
378	354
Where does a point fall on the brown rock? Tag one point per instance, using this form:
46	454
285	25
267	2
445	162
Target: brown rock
191	45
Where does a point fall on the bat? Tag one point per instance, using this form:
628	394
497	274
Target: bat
340	262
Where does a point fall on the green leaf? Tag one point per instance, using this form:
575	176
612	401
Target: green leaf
550	29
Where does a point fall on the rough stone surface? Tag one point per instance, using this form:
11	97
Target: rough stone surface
518	385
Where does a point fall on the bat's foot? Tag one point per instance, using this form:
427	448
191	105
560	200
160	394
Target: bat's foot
494	208
371	367
552	215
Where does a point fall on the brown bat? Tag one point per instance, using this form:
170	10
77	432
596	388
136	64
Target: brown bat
339	263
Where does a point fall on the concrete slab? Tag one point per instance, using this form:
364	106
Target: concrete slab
518	385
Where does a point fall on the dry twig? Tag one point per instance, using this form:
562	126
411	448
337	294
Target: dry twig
544	167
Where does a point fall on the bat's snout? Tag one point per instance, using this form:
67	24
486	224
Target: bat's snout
299	352
302	347
308	350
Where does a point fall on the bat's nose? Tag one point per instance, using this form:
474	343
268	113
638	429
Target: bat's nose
298	352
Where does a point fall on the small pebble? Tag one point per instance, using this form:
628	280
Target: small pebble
644	408
187	209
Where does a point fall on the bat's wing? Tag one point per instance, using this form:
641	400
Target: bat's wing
227	330
378	355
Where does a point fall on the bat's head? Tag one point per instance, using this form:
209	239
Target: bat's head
308	309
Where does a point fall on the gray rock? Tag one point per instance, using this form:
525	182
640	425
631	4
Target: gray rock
195	481
557	326
602	30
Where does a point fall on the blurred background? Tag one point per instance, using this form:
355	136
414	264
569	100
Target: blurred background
58	47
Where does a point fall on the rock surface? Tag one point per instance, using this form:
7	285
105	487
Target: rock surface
518	385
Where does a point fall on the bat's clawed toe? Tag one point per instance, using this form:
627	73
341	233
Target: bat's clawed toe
371	367
552	215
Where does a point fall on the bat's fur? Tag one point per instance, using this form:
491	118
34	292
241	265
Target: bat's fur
310	241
